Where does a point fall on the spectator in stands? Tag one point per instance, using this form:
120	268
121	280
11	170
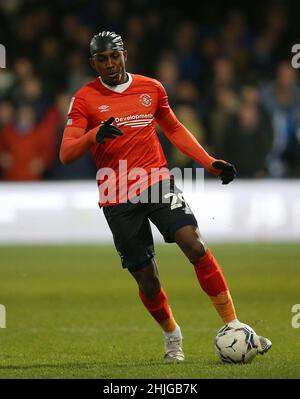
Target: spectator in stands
235	41
78	72
6	114
167	73
83	168
27	146
217	118
187	52
186	92
281	100
247	141
23	70
6	121
30	93
51	66
270	44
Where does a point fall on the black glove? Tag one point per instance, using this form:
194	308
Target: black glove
228	171
108	130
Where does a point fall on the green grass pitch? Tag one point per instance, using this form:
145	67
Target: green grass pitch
72	312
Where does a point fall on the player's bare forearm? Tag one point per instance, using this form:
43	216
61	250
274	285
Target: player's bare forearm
75	143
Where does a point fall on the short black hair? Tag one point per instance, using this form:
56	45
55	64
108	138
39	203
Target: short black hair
106	40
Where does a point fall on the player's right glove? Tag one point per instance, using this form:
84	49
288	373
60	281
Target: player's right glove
108	131
228	171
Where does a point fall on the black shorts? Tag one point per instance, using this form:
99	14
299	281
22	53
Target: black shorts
130	226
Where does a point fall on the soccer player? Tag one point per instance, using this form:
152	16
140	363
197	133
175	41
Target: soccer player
115	116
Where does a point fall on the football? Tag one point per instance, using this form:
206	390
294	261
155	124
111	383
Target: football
236	344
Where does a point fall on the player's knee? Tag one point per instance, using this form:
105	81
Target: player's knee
196	250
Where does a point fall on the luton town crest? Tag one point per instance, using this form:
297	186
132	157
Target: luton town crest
145	99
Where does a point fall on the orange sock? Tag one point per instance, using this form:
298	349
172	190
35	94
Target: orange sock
224	305
160	310
213	282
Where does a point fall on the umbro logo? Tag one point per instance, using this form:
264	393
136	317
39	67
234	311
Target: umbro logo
103	108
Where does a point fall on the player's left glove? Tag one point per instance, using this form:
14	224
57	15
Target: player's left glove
108	131
228	171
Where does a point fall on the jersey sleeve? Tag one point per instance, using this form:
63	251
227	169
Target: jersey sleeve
163	107
77	114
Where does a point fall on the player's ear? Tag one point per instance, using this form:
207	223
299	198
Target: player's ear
92	62
125	55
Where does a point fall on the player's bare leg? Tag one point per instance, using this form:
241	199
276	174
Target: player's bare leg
211	278
155	300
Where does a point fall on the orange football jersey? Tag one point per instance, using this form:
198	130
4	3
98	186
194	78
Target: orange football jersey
135	111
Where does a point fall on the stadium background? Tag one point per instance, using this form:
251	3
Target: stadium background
227	69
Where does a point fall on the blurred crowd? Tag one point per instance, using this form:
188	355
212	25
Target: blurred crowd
227	72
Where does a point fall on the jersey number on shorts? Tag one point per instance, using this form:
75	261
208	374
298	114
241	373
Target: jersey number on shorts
178	201
175	200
